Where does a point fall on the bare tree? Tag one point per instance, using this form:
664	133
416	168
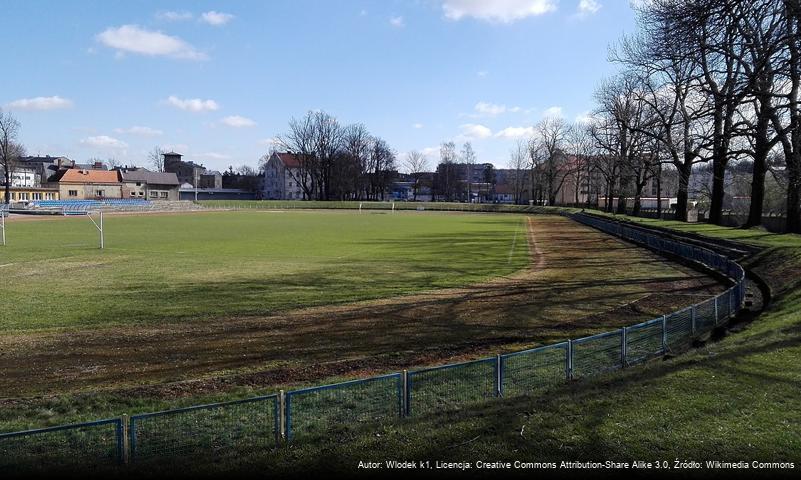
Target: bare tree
416	164
156	158
10	150
468	157
300	141
446	171
551	135
581	146
518	163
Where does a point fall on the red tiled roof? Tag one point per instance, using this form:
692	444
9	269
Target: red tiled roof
75	175
290	160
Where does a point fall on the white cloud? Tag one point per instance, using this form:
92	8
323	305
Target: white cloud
174	16
104	141
143	131
417	125
490	109
504	11
134	39
192	104
516	132
40	103
397	22
473	130
588	7
238	121
482	73
553	112
216	18
486	109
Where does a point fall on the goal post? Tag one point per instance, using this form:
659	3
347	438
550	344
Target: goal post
3	215
97	219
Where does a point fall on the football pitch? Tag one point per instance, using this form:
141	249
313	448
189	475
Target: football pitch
271	299
183	268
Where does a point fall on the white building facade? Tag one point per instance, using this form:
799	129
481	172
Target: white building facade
284	178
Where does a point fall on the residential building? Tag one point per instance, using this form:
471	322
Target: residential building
141	183
80	184
21	176
284	178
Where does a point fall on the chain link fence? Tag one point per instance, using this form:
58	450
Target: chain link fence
331	412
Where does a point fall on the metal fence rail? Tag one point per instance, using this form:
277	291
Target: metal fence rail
451	386
63	448
680	328
214	430
328	412
646	340
529	371
598	354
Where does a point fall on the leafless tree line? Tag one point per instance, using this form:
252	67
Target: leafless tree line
706	81
338	162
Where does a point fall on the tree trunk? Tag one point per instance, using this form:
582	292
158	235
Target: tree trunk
682	195
659	192
7	179
718	187
637	203
794	193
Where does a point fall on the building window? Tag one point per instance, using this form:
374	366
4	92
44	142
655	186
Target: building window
163	194
73	193
101	193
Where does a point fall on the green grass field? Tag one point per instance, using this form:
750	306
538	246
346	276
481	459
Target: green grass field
180	268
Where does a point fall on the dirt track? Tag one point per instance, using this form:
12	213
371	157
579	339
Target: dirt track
579	282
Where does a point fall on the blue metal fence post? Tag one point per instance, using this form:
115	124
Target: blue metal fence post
498	376
401	384
623	340
664	335
278	413
716	310
288	418
122	439
692	318
569	361
132	438
407	397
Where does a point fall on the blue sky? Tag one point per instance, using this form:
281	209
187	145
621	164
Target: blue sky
218	80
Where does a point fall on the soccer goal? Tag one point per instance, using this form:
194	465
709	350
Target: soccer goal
385	206
96	216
